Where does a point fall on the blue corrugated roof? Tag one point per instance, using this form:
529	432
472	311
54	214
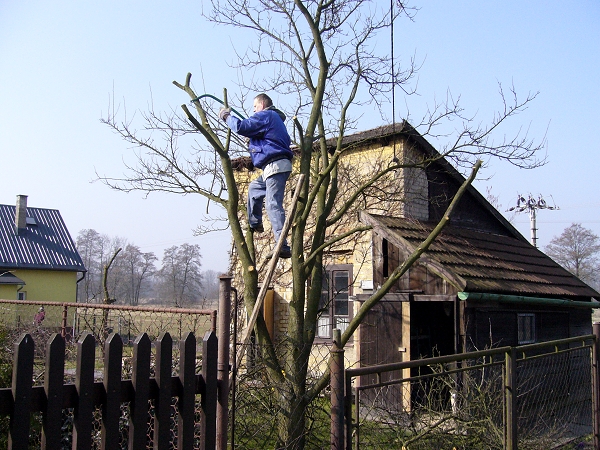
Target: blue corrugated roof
47	245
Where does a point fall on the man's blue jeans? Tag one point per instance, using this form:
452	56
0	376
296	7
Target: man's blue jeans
272	189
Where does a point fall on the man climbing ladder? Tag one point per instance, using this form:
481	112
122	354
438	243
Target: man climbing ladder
270	151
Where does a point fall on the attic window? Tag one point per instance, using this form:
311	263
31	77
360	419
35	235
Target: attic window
31	222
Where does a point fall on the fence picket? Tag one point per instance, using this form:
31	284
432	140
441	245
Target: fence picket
53	387
187	396
18	435
209	396
162	417
111	409
109	394
141	387
84	384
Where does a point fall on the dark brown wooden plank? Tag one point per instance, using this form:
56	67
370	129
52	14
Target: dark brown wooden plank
22	380
53	387
209	398
111	409
187	396
84	384
138	424
162	406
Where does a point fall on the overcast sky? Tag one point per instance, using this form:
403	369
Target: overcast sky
61	61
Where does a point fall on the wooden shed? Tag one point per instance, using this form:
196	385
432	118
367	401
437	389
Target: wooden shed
473	289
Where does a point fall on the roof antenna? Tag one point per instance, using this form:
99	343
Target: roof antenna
395	159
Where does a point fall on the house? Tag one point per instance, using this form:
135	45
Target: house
480	284
38	258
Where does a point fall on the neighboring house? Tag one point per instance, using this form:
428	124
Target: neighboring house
38	258
480	284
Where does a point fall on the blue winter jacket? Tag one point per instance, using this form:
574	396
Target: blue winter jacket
269	139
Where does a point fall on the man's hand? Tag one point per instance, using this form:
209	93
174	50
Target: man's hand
224	113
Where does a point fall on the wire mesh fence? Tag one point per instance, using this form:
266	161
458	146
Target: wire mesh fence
462	404
259	403
73	321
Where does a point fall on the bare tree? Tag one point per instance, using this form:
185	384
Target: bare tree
140	269
88	245
210	283
130	270
181	280
321	55
577	250
96	249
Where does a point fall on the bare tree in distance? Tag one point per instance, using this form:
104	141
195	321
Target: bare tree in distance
210	286
140	269
180	277
130	274
322	57
577	249
96	250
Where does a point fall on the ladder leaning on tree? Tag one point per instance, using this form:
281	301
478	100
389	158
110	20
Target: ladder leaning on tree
270	271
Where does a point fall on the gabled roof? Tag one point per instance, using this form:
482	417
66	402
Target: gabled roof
386	133
476	261
45	245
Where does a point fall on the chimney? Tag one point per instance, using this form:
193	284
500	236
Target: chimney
21	214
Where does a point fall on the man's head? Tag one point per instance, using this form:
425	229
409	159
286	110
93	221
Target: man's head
262	102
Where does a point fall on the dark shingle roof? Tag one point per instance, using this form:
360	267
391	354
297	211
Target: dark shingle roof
483	262
9	278
46	245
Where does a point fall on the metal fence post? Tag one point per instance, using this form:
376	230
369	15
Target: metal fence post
510	400
63	332
224	320
596	385
336	371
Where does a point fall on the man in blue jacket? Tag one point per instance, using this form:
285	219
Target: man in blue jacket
270	151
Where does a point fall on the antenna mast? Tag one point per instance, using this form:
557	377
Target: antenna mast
395	159
532	205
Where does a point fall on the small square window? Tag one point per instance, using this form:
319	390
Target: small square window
21	295
526	328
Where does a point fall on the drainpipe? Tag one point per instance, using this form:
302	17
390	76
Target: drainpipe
77	286
523	300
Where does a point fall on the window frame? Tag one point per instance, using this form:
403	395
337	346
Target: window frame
526	330
330	272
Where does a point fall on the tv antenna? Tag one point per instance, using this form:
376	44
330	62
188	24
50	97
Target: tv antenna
532	205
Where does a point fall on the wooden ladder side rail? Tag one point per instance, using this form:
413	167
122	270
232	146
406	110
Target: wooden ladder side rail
270	271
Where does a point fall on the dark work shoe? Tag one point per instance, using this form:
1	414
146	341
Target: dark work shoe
284	253
257	228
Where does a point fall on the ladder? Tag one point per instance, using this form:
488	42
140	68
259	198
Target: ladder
270	271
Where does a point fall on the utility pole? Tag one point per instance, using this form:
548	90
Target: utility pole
531	205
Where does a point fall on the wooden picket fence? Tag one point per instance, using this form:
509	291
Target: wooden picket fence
86	395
